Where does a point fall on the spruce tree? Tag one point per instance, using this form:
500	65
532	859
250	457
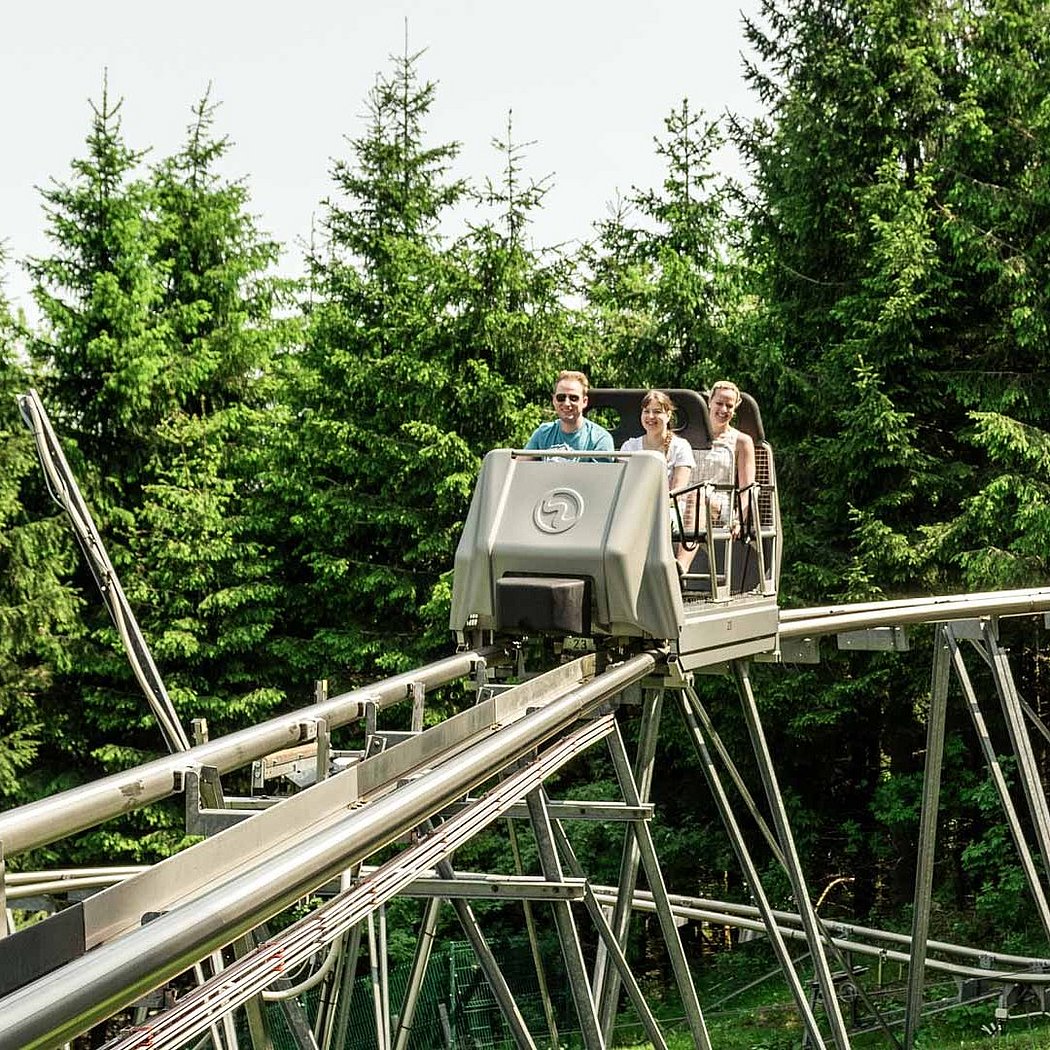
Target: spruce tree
202	564
993	226
845	289
894	223
108	370
845	282
897	253
417	349
512	317
160	324
106	382
38	610
661	280
365	509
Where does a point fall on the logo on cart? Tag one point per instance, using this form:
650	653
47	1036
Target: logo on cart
558	510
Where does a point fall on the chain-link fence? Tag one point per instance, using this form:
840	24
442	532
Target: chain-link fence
456	1009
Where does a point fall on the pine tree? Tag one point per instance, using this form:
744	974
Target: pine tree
895	220
106	383
660	275
109	375
512	317
160	326
362	527
993	225
38	611
202	566
417	350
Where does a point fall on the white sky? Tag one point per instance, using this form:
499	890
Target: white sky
588	81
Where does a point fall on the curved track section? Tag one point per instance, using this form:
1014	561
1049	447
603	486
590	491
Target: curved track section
256	886
417	789
59	816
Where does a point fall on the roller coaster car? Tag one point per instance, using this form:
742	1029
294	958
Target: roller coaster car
578	544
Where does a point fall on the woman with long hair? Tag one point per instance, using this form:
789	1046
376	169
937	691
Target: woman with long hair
722	404
657	413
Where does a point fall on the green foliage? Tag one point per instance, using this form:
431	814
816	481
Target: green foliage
660	282
160	323
108	372
198	556
1000	536
419	357
37	609
897	281
991	866
895	251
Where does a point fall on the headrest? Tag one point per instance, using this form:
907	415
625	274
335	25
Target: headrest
620	411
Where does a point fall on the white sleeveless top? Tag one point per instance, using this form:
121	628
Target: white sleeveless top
718	464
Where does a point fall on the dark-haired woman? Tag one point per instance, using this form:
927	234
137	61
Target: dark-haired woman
657	413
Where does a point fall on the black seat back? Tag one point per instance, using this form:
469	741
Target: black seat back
621	411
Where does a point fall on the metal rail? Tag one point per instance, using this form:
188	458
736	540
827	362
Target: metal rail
253	973
929	601
797	623
251	890
745	917
68	812
1006	965
67	1002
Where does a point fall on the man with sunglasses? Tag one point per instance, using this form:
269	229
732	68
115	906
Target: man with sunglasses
571	430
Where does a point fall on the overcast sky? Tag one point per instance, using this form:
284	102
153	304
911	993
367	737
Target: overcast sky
588	81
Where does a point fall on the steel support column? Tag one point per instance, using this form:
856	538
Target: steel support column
711	735
792	864
420	961
606	974
706	725
335	1039
931	793
489	966
3	893
608	939
749	869
328	994
221	1031
254	1008
991	759
534	944
382	1019
568	935
651	865
623	970
1027	766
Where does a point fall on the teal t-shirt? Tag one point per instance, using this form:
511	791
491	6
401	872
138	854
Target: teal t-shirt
588	437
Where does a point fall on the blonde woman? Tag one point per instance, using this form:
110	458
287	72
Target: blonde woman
722	404
657	412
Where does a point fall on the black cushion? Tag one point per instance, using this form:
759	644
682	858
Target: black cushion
553	604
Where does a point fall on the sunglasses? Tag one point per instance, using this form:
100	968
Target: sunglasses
566	397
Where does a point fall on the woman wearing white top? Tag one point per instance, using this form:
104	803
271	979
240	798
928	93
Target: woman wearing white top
722	405
657	410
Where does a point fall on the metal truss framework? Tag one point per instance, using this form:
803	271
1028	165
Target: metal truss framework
420	788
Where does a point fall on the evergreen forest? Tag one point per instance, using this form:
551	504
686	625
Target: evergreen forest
281	466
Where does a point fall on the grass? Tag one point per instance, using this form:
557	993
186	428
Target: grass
769	1029
764	1017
